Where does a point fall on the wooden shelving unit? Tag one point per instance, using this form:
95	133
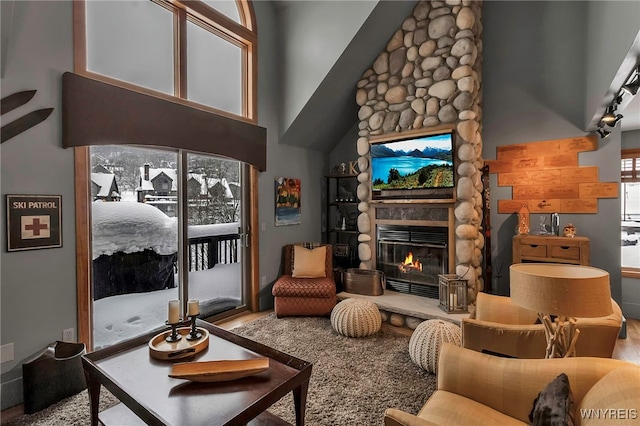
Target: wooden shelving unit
342	205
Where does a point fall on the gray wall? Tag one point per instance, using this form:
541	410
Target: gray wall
612	28
345	149
521	45
282	160
317	32
631	286
39	286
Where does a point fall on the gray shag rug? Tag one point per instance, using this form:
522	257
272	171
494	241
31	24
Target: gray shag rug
353	381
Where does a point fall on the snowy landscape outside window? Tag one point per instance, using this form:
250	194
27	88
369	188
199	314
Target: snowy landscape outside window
135	237
196	52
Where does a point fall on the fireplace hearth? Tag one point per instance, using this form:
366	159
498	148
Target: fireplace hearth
412	257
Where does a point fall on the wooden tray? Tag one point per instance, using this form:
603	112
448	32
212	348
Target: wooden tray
219	371
159	348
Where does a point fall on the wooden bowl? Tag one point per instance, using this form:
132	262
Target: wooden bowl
219	371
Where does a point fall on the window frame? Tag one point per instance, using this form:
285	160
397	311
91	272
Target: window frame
629	272
244	34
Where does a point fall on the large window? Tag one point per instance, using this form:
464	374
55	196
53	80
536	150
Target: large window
164	220
630	208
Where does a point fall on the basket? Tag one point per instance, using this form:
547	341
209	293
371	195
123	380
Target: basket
364	281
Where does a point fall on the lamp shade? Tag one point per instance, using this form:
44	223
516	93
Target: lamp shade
559	289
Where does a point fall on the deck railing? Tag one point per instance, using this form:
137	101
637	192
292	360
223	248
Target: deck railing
206	252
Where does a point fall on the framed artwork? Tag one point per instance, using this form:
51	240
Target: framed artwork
34	222
287	191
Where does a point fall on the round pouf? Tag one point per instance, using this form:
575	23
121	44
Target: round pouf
427	339
356	318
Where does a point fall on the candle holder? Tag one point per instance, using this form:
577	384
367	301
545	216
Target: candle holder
452	293
194	334
174	336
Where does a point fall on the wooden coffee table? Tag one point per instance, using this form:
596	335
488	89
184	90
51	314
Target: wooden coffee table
150	397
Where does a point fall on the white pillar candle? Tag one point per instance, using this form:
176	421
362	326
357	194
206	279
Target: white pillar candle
174	311
453	300
194	307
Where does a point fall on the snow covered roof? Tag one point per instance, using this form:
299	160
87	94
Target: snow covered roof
209	182
200	178
104	182
147	185
225	185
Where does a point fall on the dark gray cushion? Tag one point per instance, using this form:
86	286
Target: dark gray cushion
554	405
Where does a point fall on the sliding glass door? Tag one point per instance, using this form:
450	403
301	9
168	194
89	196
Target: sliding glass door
139	253
215	232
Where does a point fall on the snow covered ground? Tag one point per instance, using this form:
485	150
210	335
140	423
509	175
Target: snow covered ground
130	227
117	318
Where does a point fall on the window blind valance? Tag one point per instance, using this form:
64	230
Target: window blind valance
98	113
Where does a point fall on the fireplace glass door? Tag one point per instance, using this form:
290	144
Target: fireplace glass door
412	257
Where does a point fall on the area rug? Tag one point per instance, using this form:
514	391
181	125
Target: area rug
352	380
73	411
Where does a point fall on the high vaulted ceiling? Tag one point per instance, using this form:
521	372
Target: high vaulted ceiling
316	115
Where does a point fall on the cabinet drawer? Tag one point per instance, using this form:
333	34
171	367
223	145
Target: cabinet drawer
535	250
565	252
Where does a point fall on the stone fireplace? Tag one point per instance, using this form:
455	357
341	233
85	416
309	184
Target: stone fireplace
427	79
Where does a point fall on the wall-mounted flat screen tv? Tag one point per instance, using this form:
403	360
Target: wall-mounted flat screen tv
414	163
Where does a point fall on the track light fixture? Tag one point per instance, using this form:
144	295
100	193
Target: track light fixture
609	115
603	133
610	118
617	118
632	87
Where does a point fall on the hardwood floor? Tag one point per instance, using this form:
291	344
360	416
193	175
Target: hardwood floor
626	349
629	349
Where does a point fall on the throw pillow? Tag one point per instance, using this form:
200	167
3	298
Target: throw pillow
309	263
554	405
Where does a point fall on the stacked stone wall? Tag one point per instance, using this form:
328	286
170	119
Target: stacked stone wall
429	76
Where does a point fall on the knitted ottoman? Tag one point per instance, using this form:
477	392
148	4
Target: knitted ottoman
356	318
427	339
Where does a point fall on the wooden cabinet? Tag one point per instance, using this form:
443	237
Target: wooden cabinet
542	248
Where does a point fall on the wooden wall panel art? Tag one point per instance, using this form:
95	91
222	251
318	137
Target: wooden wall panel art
547	177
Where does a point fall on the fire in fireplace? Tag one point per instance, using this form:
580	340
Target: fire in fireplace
412	257
410	264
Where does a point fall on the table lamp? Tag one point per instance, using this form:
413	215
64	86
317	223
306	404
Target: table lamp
566	291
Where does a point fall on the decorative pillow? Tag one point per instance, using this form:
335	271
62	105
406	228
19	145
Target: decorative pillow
554	405
309	263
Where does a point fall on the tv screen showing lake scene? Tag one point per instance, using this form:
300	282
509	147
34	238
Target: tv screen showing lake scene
423	162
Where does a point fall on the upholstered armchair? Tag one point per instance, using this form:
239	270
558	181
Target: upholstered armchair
500	327
480	389
306	286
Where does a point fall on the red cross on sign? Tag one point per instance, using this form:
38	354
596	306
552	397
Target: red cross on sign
35	227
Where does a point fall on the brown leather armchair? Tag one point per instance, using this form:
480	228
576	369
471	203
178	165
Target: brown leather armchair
304	296
500	327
